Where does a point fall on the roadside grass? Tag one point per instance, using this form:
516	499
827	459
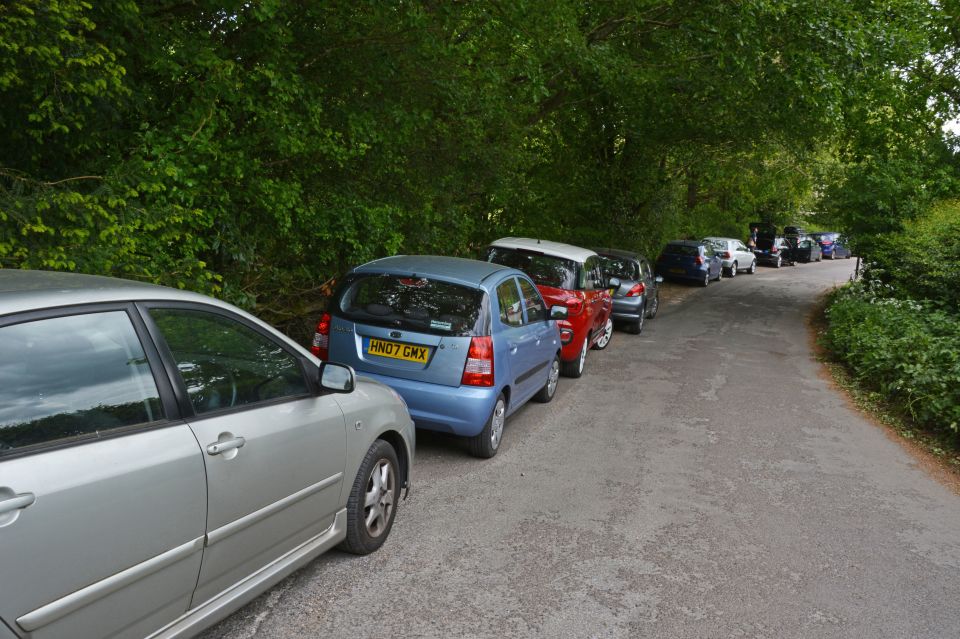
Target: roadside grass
942	447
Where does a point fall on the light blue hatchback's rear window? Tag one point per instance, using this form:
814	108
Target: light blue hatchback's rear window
419	304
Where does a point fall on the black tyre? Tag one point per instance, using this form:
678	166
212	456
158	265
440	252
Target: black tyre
605	336
636	327
575	368
549	389
372	505
654	306
487	443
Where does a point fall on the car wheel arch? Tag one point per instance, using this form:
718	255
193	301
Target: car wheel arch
398	443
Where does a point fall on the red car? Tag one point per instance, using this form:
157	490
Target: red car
570	276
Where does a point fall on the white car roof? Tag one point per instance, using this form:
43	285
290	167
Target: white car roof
557	249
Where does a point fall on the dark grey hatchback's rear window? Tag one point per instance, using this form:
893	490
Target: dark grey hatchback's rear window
414	303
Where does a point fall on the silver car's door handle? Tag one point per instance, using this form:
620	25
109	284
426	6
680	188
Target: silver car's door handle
17	502
228	444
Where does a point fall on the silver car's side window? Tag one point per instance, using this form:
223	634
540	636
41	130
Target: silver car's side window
225	364
72	378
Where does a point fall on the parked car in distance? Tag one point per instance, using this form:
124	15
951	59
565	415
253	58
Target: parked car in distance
805	250
465	343
831	245
773	251
570	276
166	457
638	296
690	260
734	255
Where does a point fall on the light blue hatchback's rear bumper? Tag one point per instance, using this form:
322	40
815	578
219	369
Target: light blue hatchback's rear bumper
461	410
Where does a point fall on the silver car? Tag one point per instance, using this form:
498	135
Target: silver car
165	457
734	255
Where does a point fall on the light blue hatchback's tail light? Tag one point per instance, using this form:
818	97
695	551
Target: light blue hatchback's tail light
478	370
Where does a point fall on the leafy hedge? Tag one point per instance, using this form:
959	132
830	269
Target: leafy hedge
904	349
922	262
898	328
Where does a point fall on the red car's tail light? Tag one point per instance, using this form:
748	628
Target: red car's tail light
321	339
637	290
574	306
478	371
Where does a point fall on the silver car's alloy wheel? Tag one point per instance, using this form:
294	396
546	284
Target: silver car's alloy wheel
753	267
378	500
372	505
733	270
605	337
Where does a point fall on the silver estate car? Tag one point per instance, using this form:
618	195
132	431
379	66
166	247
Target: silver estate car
165	457
734	255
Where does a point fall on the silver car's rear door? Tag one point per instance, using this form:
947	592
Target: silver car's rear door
102	498
274	450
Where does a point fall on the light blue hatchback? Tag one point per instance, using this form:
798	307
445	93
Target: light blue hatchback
464	342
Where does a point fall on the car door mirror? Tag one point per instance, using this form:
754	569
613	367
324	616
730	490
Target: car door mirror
337	378
658	279
559	312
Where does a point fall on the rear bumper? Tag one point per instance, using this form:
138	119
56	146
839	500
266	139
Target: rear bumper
628	308
696	274
460	410
767	258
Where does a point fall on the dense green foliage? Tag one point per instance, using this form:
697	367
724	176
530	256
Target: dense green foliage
899	326
255	149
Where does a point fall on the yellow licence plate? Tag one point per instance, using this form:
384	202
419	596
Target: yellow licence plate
396	350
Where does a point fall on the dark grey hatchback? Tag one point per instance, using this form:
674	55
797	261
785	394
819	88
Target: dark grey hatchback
638	296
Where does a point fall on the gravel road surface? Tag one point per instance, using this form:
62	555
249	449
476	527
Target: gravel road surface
702	479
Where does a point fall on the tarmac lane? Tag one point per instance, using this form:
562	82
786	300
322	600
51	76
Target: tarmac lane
702	479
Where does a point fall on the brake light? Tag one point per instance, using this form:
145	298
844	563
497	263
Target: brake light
321	339
637	290
726	255
826	243
574	306
698	261
774	249
478	371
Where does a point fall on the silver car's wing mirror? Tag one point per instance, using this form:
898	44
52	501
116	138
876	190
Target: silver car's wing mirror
337	378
